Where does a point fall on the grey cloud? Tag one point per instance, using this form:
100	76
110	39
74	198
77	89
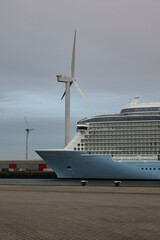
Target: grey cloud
117	43
117	57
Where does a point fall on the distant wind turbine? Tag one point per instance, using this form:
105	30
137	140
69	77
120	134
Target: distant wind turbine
68	82
27	135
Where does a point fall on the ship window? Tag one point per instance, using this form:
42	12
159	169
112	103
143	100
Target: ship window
150	168
154	168
74	149
142	168
158	168
69	167
146	168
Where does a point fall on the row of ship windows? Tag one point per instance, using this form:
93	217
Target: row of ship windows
116	134
123	150
124	131
121	153
128	144
78	149
120	133
149	145
116	141
118	147
125	124
124	137
122	144
112	127
150	168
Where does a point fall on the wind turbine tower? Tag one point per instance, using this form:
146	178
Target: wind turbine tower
27	136
68	82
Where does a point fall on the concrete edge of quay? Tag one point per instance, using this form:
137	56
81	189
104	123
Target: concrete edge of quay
28	174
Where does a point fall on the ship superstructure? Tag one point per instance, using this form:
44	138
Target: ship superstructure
132	134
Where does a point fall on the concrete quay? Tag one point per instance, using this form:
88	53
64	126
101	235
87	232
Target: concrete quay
79	212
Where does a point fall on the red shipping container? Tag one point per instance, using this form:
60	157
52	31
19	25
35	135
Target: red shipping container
12	165
42	166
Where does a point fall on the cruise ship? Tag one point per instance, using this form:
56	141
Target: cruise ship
112	146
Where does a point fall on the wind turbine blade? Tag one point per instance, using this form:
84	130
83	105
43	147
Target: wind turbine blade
80	91
73	56
26	122
63	95
31	129
65	92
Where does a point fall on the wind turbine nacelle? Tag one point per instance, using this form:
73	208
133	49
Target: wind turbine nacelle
61	78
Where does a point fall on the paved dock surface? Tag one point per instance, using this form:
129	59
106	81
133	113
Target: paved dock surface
79	212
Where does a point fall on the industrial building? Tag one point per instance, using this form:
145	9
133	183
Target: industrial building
24	165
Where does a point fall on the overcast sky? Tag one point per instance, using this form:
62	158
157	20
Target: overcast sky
117	58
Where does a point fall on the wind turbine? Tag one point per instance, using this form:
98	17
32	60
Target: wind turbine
68	82
27	135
